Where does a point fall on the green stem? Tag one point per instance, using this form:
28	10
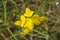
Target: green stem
39	32
31	37
5	13
47	33
12	34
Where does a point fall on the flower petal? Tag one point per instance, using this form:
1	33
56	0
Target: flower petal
27	10
42	18
28	13
26	31
18	23
23	20
29	24
35	19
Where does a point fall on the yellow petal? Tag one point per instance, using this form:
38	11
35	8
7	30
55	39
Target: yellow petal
27	10
29	24
35	19
26	31
18	23
23	20
28	13
42	18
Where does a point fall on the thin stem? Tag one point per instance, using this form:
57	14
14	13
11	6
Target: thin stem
5	12
5	38
31	37
25	38
47	36
12	34
39	33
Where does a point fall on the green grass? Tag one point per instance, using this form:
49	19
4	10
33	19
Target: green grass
10	10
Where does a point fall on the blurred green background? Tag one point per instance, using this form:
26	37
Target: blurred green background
10	11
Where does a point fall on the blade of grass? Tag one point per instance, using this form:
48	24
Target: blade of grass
47	36
5	12
31	37
11	34
39	32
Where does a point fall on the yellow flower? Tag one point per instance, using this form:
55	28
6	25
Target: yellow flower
23	20
42	19
28	20
29	24
35	19
17	23
28	13
26	31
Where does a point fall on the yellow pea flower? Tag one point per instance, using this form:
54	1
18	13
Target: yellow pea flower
23	20
29	24
17	23
42	18
35	19
26	31
27	21
28	13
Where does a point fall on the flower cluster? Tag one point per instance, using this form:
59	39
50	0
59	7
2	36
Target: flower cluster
28	20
